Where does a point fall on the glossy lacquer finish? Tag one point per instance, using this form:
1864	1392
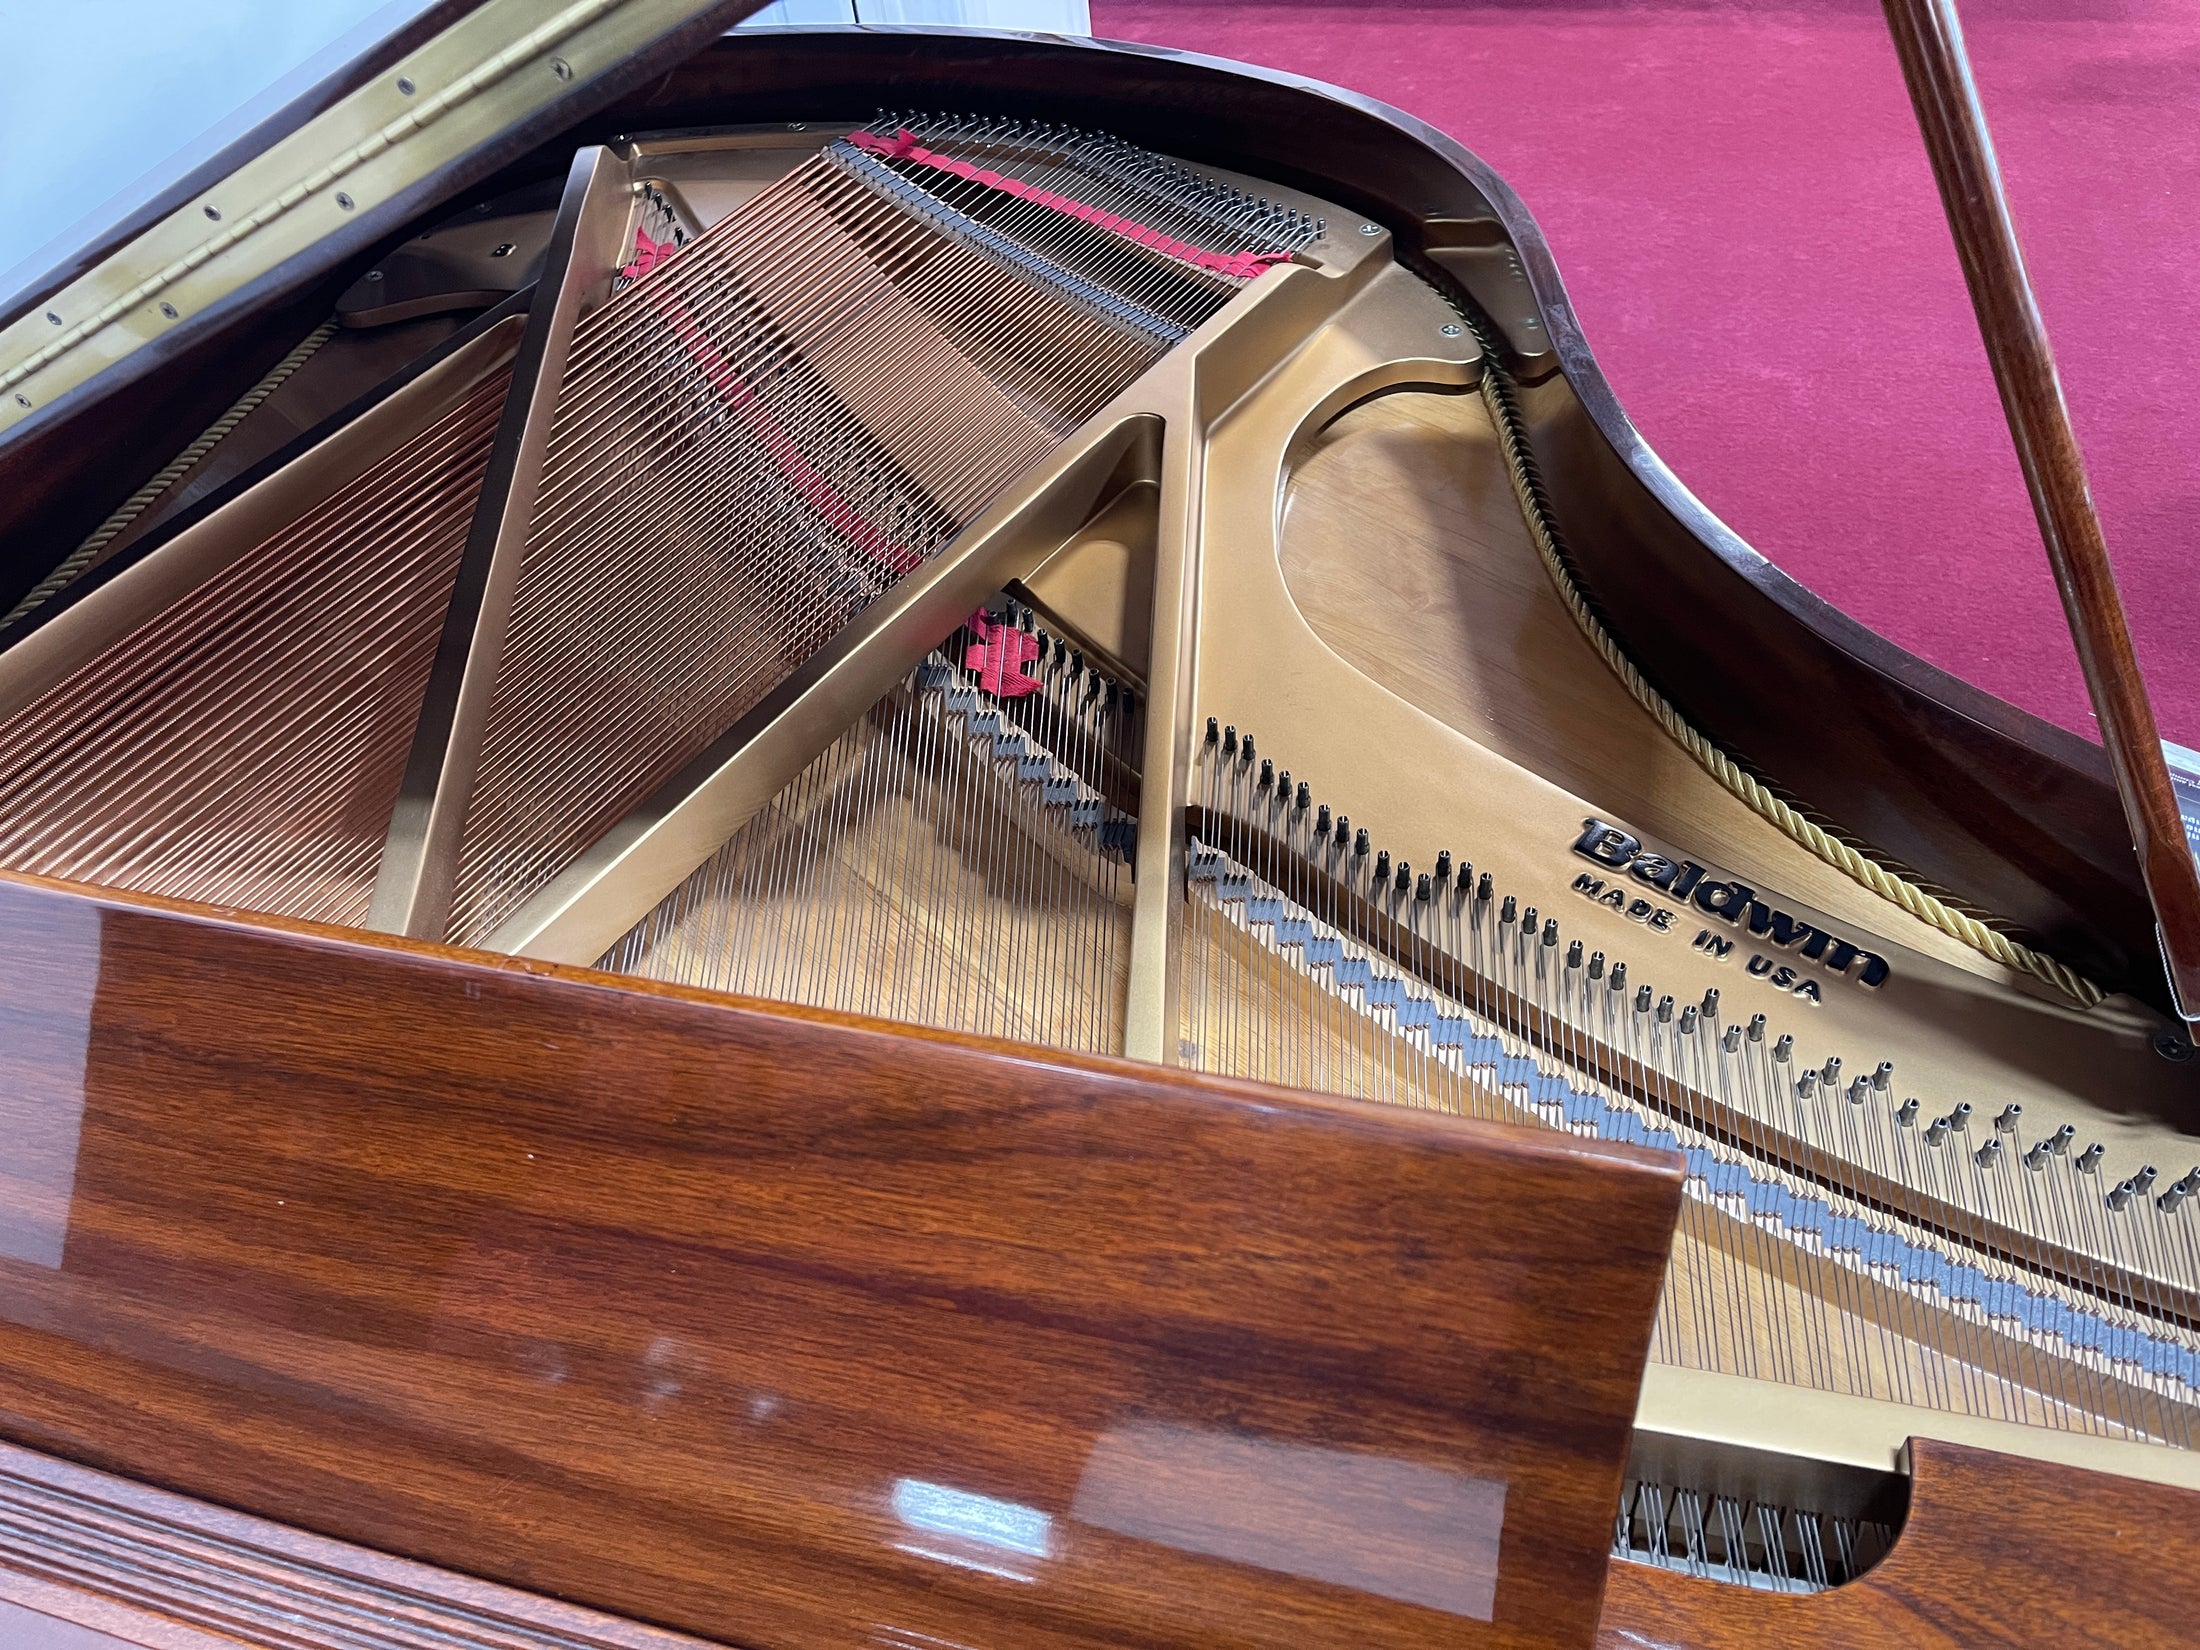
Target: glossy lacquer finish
788	1331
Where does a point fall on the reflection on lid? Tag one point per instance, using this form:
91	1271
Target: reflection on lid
49	960
1397	1529
975	1532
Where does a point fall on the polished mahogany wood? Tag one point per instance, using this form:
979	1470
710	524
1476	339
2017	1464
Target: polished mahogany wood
1996	1552
780	1329
88	1559
1928	38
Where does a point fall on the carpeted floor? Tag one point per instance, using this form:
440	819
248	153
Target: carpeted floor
1749	230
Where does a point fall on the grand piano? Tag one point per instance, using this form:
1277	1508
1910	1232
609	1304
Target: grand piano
891	838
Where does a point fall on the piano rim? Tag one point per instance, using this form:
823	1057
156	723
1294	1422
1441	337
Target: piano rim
2054	858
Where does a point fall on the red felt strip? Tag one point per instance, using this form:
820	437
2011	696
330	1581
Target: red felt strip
904	146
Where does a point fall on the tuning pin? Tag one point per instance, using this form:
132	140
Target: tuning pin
2059	1141
1305	798
1267	770
1573	955
1359	845
1443	868
1905	1115
1484	889
1688	1018
1245	751
1229	734
1550	931
1783	1051
1883	1076
1619	976
1509	911
2005	1120
1596	965
1937	1132
2037	1158
1960	1118
1806	1085
1732	1041
1404	878
1711	1004
1830	1075
1321	821
1665	1009
1859	1089
1528	921
1642	1000
1283	783
1988	1155
2089	1160
1421	890
2120	1197
2143	1181
1382	866
1756	1031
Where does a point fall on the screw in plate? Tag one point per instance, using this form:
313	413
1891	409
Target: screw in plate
344	201
798	126
503	249
374	275
562	69
405	85
1451	329
51	316
214	213
22	400
2171	1045
1371	229
168	310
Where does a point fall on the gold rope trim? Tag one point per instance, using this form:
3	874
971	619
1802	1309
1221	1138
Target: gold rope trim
146	496
1847	857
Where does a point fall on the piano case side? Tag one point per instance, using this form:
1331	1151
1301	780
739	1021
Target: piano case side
771	1325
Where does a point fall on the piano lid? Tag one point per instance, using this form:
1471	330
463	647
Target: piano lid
432	107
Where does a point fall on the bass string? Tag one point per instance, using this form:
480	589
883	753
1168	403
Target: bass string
250	736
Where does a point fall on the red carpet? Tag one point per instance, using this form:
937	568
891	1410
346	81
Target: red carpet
1748	227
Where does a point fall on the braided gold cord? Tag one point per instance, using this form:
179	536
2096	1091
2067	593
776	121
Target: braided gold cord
1843	856
148	495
